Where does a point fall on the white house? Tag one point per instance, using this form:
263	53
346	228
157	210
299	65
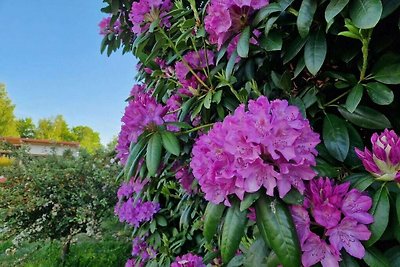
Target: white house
40	147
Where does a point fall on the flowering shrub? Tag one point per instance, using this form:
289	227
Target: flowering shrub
242	105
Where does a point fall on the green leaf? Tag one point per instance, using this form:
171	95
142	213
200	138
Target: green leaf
272	260
294	48
360	181
135	153
348	261
375	258
248	200
393	255
236	261
389	6
305	17
273	42
256	254
334	8
153	155
365	14
277	228
354	98
379	93
207	100
231	65
398	207
243	43
233	231
366	117
293	197
266	11
349	35
315	52
212	218
323	169
388	74
171	143
336	137
380	211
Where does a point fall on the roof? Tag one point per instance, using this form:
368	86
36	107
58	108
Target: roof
27	141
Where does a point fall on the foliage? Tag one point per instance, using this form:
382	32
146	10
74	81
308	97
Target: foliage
26	128
87	138
8	125
337	61
56	197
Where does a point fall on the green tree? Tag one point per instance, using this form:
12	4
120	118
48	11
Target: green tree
8	126
26	128
54	129
88	139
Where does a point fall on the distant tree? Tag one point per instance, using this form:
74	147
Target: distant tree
54	129
26	128
88	139
8	126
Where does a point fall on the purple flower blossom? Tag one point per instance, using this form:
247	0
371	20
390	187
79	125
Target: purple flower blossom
188	260
226	19
127	189
197	61
316	250
141	249
185	178
136	212
270	145
130	263
145	12
106	28
336	213
347	234
142	113
384	160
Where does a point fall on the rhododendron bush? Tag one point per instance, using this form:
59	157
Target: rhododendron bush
260	133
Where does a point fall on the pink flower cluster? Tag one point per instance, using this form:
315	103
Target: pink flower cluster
226	19
270	145
131	210
106	28
188	260
142	113
341	215
141	251
197	61
384	160
185	178
145	12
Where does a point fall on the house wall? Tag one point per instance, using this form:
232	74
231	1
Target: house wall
42	150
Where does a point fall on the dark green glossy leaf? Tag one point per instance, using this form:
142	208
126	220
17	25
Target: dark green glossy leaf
153	155
388	74
380	211
243	44
135	153
233	231
231	65
207	100
236	261
374	258
354	98
305	17
393	255
293	49
293	197
336	137
248	200
266	11
256	254
360	181
389	6
324	168
348	261
379	93
274	41
365	14
171	143
277	228
398	207
212	218
366	117
334	7
315	52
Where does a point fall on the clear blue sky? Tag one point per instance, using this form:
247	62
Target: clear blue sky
51	64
